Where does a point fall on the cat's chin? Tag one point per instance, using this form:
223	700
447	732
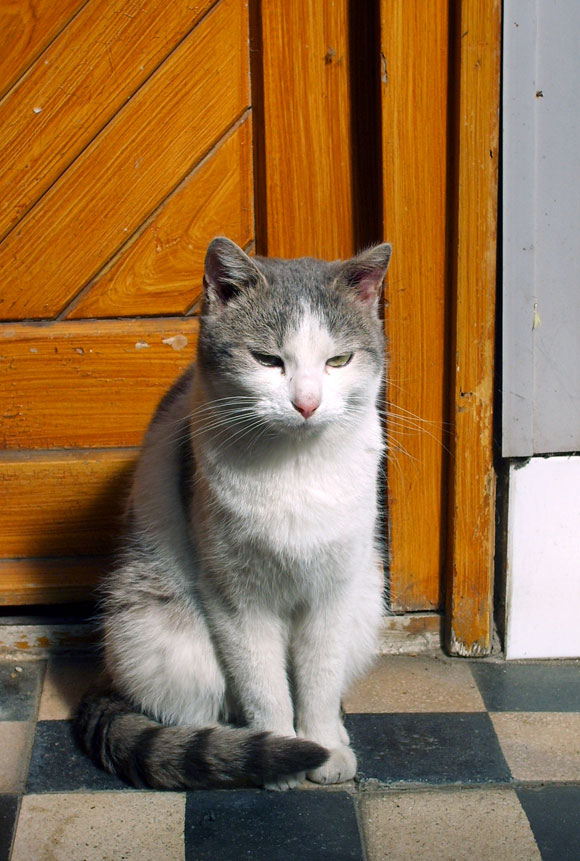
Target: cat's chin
304	429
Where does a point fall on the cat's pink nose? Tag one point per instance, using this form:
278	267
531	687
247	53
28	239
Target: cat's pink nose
306	408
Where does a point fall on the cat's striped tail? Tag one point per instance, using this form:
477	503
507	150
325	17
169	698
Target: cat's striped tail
145	753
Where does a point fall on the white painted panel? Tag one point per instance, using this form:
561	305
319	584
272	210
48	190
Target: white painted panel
541	227
543	576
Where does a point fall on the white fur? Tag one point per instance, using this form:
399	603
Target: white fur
281	548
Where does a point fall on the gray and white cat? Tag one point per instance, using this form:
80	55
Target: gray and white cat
250	593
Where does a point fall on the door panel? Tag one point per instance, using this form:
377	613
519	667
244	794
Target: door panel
140	152
128	169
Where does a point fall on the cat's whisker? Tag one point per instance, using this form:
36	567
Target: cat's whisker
391	407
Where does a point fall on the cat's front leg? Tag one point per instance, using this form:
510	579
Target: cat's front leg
252	647
319	644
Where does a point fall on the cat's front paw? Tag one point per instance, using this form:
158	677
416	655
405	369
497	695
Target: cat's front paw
339	767
290	781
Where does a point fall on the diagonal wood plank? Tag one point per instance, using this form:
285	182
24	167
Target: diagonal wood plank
161	270
87	384
78	84
26	28
143	153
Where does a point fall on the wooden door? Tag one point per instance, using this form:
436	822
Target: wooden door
126	143
125	146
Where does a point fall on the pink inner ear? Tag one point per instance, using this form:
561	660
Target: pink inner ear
368	286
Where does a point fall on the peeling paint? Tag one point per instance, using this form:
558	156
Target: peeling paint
141	345
178	342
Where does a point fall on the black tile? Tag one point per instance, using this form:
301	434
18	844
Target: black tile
262	825
554	816
427	748
20	685
58	765
8	814
549	686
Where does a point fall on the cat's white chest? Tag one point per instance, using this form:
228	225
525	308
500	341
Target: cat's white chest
303	503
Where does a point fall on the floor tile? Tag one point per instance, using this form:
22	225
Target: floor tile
8	814
15	743
260	825
461	825
57	765
547	686
554	815
65	682
427	748
19	689
136	826
540	745
416	684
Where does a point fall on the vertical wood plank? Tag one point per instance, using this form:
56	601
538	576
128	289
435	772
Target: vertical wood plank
306	175
414	44
470	575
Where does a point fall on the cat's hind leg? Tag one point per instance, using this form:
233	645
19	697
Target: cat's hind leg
162	657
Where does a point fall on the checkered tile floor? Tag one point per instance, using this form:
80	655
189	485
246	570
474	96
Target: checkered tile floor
457	759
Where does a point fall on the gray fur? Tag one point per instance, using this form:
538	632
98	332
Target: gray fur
251	554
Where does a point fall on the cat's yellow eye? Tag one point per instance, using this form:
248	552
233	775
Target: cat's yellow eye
339	361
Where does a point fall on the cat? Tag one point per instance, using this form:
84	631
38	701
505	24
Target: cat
249	595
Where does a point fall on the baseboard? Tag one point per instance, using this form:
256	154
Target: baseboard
414	633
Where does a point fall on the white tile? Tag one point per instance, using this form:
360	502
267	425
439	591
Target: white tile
401	683
540	745
457	825
65	682
101	826
15	746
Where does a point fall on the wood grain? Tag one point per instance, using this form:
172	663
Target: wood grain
50	581
161	271
133	164
306	175
26	28
87	384
63	503
469	614
414	133
78	84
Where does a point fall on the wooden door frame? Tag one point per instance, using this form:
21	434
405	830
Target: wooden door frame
470	568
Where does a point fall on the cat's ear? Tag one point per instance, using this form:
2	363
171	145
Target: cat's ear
365	273
228	271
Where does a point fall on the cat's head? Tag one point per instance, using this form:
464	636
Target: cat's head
294	345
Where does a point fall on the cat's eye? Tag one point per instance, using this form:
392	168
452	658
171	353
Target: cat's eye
267	360
339	361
